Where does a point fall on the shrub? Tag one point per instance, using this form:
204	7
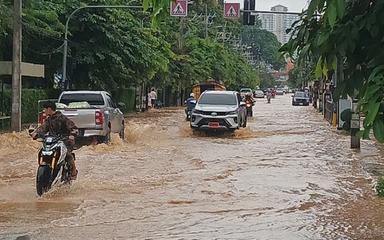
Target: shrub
380	187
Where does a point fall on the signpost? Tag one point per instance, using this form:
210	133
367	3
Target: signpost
232	10
179	8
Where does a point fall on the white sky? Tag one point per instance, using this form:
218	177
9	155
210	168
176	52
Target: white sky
293	5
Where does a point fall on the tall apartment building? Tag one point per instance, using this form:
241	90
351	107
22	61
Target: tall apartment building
278	23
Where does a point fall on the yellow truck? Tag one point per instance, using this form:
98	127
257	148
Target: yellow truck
198	89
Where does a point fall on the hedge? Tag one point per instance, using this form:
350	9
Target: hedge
126	96
29	106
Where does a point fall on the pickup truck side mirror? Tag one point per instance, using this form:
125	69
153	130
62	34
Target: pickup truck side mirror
120	104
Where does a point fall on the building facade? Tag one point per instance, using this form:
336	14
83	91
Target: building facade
278	23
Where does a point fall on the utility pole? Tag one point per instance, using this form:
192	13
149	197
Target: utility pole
16	67
355	125
206	21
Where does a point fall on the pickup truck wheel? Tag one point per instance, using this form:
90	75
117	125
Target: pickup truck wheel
107	138
122	134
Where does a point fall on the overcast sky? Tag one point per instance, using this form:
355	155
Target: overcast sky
293	5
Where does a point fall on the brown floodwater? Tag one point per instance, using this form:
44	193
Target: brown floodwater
288	175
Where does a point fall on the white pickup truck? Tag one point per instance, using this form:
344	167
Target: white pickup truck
94	113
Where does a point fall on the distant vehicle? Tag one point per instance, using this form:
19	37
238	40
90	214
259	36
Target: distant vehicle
259	94
219	110
300	98
198	89
279	91
94	112
244	92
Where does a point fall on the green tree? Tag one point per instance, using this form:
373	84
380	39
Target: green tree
264	45
348	32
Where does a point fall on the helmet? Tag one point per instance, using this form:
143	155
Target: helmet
192	95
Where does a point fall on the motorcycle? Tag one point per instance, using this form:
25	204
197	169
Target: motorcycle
188	110
249	104
53	168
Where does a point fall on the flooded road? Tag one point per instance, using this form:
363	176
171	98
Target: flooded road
288	175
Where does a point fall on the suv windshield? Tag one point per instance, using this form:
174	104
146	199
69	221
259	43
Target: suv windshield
92	99
300	94
218	99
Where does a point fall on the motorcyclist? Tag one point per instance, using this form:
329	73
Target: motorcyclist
190	103
59	125
248	98
269	95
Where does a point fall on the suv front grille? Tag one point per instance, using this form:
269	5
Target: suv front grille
218	113
206	121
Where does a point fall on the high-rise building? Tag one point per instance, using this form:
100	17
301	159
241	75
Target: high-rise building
278	23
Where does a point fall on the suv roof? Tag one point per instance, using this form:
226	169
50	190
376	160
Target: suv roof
220	92
246	89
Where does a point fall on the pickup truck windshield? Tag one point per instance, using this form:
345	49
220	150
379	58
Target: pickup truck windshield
91	98
218	99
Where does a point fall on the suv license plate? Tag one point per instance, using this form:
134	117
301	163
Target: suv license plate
214	124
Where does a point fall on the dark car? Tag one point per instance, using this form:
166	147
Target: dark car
300	98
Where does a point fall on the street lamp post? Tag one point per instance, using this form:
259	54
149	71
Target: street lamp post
65	51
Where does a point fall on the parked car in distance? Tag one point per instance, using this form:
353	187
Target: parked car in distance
219	110
300	98
279	91
259	94
244	92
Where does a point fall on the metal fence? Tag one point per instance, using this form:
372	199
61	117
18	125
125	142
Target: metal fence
329	110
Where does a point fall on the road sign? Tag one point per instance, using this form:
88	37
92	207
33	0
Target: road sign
27	69
179	8
231	10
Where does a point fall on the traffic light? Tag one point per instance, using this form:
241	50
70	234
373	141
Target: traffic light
248	18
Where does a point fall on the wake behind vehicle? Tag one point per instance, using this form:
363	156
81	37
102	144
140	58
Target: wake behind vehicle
53	169
300	98
219	110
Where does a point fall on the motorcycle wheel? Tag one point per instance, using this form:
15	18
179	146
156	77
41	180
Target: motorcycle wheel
245	123
42	179
66	174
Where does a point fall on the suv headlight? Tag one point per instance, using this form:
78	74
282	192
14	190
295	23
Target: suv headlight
197	111
232	113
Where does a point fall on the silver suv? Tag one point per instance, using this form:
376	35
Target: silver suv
219	110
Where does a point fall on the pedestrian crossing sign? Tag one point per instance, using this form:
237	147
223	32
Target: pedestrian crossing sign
231	10
179	8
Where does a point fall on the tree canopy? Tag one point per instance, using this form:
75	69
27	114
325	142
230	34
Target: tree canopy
112	48
348	32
